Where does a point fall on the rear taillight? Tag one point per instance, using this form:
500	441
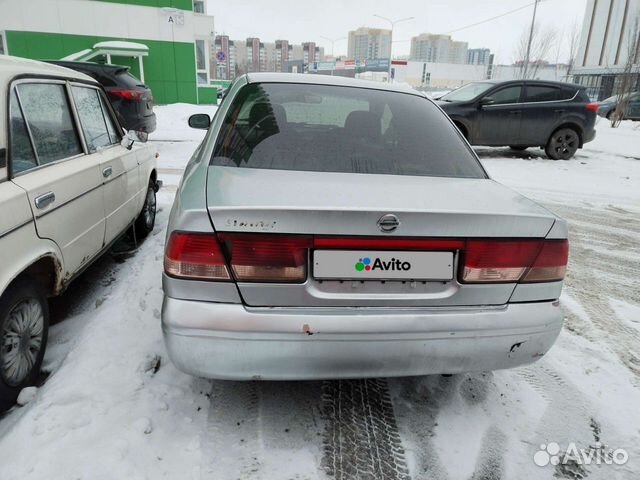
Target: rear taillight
128	94
491	261
551	262
267	258
593	107
283	258
195	256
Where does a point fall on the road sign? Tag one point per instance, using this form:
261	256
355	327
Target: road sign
221	57
326	66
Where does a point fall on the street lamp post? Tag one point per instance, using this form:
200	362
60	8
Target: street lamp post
393	24
333	41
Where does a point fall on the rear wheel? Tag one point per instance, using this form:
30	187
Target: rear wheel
24	324
147	218
563	144
518	148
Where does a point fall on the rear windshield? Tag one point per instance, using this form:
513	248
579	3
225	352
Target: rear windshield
341	129
125	79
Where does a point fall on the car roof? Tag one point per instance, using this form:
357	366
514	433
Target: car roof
11	67
314	79
532	82
91	66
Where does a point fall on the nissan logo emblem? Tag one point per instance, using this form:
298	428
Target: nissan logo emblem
388	223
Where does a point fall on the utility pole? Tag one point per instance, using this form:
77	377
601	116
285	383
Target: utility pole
393	24
533	22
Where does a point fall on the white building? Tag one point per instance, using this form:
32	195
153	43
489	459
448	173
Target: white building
606	45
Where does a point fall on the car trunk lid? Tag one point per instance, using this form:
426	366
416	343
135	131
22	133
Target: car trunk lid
350	207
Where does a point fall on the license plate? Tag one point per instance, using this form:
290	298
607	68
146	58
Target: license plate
382	265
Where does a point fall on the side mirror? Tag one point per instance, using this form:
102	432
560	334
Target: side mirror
486	101
200	121
133	136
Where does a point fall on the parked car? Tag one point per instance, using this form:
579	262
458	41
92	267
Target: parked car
607	107
552	115
337	228
131	99
68	190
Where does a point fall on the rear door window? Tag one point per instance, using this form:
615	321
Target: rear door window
542	93
111	125
341	129
21	150
46	110
94	125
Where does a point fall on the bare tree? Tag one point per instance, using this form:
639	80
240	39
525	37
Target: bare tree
573	43
542	42
629	79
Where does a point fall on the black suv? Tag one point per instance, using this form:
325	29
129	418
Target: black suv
524	113
131	99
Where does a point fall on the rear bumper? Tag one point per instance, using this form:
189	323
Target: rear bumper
230	341
589	136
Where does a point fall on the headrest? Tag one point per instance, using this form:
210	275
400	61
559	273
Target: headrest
363	125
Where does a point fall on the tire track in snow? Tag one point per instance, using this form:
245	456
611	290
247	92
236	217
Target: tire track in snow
419	402
603	264
361	440
258	430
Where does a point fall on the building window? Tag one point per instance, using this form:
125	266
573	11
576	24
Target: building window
201	62
198	6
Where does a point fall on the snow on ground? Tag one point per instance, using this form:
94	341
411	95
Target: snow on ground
113	406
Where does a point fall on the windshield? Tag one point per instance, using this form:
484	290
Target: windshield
341	129
467	92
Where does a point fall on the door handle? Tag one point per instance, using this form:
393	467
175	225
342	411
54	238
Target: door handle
107	171
45	199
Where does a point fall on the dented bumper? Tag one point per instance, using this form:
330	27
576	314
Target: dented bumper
231	341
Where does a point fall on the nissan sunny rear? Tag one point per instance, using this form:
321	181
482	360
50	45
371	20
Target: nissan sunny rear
333	228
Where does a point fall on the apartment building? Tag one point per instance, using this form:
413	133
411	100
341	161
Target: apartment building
478	56
369	43
432	48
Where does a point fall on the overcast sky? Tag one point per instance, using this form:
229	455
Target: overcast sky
306	20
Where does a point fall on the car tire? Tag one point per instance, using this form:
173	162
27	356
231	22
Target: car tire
518	148
24	317
563	144
147	218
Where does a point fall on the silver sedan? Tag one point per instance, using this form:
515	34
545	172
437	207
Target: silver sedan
333	228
